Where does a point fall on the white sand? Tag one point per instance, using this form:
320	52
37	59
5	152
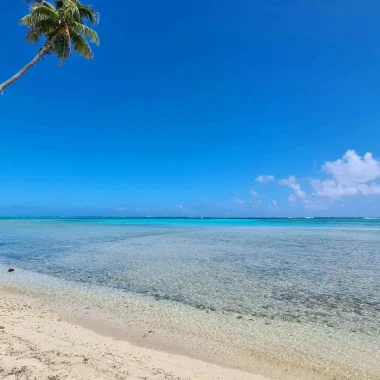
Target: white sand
36	345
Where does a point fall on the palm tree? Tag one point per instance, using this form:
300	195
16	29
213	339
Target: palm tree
63	28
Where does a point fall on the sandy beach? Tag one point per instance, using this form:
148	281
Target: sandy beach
36	343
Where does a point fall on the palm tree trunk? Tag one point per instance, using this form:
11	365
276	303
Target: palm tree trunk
16	77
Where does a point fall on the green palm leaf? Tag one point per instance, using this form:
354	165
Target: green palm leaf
81	46
87	13
40	13
62	48
86	32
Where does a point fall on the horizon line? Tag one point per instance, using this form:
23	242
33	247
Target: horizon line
183	217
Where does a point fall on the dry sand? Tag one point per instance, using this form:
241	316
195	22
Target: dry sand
36	344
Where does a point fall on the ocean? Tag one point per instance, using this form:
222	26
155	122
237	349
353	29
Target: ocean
300	294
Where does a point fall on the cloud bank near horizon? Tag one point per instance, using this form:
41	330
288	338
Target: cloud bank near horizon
351	175
332	190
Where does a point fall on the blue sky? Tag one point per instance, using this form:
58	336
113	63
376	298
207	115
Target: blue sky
186	104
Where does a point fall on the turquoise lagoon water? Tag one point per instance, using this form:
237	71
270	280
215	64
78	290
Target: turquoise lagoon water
320	273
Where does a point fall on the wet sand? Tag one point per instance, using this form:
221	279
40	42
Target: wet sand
233	346
36	343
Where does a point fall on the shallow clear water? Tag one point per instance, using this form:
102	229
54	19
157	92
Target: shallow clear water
322	272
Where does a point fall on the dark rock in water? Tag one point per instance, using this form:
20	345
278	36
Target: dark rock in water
11	270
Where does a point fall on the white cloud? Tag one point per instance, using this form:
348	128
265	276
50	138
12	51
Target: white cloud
353	169
352	175
371	189
295	186
238	201
265	178
121	208
274	205
244	204
332	189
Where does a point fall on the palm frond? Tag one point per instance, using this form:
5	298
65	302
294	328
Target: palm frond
40	13
70	11
62	47
86	32
87	13
42	2
81	46
33	35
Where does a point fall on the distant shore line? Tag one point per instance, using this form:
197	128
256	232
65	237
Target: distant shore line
191	217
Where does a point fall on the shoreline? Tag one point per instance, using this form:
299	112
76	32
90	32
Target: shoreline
170	330
36	343
160	340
